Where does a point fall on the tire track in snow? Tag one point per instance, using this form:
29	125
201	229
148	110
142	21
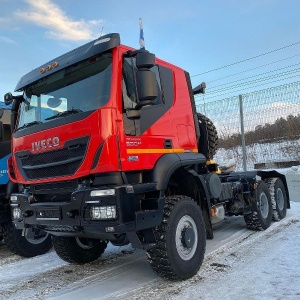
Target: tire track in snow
35	277
120	273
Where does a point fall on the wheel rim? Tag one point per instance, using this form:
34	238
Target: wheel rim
186	237
38	236
280	199
264	205
83	243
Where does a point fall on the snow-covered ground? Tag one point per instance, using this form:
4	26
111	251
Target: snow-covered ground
239	264
269	153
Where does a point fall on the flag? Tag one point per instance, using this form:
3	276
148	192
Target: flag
142	42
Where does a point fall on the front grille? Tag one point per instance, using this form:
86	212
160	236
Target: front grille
56	163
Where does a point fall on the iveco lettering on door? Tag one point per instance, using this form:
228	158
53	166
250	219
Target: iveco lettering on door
45	144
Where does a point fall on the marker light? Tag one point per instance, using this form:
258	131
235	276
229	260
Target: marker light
42	70
101	193
13	198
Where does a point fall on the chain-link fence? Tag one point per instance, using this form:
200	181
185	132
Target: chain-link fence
259	129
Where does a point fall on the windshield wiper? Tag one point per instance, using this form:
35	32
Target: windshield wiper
29	124
65	113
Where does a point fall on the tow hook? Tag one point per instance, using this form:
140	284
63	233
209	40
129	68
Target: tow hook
73	214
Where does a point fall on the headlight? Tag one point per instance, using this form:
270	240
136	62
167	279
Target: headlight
103	212
100	193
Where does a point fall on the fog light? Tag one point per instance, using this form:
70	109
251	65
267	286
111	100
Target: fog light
16	213
101	193
103	212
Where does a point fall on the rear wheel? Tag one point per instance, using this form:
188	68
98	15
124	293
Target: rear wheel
278	198
180	240
208	141
261	216
36	242
78	250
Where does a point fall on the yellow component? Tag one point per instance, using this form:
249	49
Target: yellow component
145	151
213	166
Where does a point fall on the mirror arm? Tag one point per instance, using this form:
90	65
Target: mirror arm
200	89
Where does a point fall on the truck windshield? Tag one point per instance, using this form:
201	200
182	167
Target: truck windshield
81	87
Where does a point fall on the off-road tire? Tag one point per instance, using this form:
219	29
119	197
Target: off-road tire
20	245
171	258
208	225
278	198
261	216
207	144
75	250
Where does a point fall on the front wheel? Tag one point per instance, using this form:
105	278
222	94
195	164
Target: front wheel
180	240
78	250
36	242
261	216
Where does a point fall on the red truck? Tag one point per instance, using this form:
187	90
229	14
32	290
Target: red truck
108	147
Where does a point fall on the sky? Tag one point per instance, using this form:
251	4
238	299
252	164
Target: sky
199	36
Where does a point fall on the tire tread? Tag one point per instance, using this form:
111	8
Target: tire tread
158	256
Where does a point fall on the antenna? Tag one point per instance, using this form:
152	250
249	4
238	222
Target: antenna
142	41
101	31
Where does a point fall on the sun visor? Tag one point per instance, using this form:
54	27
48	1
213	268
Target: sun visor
94	47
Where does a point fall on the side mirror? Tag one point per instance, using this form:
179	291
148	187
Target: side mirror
145	60
147	87
8	98
16	102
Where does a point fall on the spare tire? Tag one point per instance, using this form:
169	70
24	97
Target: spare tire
208	141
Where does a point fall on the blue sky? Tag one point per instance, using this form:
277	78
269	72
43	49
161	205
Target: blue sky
198	36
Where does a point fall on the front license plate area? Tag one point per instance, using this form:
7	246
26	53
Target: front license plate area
48	214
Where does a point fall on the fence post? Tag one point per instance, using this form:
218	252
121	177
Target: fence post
243	132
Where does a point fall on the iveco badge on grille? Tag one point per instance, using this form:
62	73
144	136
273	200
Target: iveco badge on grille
45	144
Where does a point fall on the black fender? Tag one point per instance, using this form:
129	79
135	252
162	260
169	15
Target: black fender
169	163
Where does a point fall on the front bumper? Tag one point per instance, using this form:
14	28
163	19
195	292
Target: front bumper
72	217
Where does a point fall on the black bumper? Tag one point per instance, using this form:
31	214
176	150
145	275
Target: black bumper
72	217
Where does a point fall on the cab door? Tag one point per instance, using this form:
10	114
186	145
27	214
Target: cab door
147	131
